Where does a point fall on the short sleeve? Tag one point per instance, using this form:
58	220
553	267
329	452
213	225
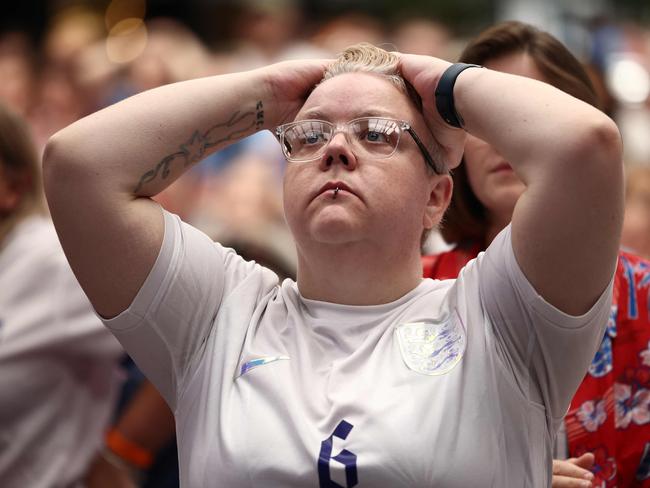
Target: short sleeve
174	312
546	350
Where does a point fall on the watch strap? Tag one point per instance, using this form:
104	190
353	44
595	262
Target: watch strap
445	93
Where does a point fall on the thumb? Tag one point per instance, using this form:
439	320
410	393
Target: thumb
585	461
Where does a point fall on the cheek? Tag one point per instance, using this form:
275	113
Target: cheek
287	197
294	193
403	193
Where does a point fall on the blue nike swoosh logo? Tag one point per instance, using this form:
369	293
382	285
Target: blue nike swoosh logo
254	363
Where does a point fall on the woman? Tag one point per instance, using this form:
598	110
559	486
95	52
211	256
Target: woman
608	416
59	365
361	372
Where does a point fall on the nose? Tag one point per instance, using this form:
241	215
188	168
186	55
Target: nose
338	151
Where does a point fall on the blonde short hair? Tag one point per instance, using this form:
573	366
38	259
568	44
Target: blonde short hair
366	58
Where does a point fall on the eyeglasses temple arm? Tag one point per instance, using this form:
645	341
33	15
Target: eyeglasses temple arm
424	151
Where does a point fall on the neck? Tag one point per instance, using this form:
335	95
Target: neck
357	274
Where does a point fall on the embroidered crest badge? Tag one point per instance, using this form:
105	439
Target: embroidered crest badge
432	348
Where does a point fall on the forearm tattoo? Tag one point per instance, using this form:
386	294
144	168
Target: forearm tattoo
259	118
193	150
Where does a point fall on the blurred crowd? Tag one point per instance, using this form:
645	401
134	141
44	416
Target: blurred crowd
89	59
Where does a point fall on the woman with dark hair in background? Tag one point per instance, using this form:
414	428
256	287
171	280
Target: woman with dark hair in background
610	414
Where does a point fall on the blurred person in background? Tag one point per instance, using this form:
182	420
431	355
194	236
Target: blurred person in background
265	31
636	225
608	423
173	52
58	365
69	31
60	98
17	72
59	101
347	29
422	36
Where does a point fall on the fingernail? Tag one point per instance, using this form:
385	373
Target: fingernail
588	476
587	484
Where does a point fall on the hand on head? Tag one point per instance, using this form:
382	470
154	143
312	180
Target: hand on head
290	83
423	72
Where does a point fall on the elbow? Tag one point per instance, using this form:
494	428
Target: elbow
602	151
63	153
609	136
603	143
593	157
51	160
53	156
53	163
61	167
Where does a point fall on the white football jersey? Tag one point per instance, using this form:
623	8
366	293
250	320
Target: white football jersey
458	383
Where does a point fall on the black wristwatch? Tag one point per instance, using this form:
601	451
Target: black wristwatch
445	93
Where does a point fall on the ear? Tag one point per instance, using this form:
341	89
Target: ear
439	198
11	193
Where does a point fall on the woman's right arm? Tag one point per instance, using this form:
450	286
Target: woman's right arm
101	171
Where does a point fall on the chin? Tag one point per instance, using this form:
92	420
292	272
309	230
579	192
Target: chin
333	234
333	224
333	230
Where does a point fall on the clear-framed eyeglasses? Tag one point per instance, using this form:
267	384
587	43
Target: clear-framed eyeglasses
375	137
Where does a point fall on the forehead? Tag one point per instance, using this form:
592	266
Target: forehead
519	64
352	95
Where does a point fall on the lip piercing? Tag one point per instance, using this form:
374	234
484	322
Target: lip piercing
336	190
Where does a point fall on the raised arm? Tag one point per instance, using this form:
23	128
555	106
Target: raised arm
100	172
566	226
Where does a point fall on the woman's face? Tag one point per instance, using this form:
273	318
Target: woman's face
490	176
379	199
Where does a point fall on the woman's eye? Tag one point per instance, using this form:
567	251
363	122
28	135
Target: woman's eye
313	137
374	136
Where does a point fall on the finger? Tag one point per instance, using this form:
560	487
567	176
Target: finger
566	468
586	461
567	482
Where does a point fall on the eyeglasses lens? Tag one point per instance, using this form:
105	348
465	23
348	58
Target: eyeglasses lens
372	136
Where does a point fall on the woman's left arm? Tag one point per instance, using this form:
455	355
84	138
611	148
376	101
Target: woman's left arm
566	226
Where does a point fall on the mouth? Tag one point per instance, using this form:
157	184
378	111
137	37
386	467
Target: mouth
335	188
501	167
